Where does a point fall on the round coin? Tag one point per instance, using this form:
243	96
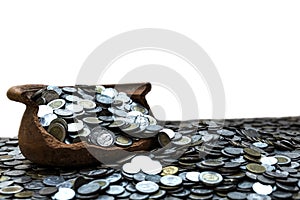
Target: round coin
115	190
193	176
282	160
236	195
58	131
123	141
87	104
64	194
56	103
11	189
89	188
252	152
185	140
210	178
171	180
170	170
262	189
146	187
255	168
47	191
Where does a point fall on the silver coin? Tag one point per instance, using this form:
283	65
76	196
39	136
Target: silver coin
147	187
193	176
56	103
210	178
262	189
64	194
11	189
254	196
171	180
260	144
47	119
268	160
115	190
106	139
185	140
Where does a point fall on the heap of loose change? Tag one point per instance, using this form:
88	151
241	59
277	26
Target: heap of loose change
101	116
253	159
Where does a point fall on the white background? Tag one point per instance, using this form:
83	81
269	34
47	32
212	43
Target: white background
255	46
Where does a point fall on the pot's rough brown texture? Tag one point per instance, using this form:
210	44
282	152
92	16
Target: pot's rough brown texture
40	147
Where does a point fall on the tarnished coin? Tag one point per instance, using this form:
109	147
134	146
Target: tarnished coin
24	194
57	130
171	180
64	194
123	141
11	189
252	152
282	160
210	178
256	168
146	187
47	191
163	139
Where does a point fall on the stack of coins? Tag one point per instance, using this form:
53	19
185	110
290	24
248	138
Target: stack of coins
95	114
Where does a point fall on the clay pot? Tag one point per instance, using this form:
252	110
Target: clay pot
40	147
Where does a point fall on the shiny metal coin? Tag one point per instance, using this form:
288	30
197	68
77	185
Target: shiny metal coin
89	188
236	195
262	189
171	180
210	178
115	190
147	187
123	141
87	104
64	194
193	176
254	196
58	131
268	160
47	119
185	140
91	120
53	180
56	103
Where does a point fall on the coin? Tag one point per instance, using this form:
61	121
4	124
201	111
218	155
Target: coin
56	103
236	195
262	189
170	170
163	139
268	160
171	180
252	152
256	168
123	141
47	191
210	178
282	160
183	141
193	176
64	194
115	190
87	104
89	188
24	194
146	187
57	130
254	196
11	189
53	180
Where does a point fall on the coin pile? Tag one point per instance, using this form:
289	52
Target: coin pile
253	159
101	116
